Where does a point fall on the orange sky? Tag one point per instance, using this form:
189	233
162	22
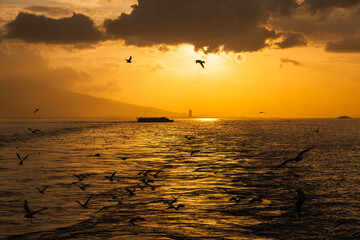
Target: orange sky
315	75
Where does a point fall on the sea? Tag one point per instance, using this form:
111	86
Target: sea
193	179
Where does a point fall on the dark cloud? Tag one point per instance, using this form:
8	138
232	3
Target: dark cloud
292	40
319	5
234	25
54	11
346	46
35	29
291	61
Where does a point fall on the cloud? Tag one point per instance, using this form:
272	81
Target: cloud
292	40
291	61
40	29
319	5
53	11
232	25
349	45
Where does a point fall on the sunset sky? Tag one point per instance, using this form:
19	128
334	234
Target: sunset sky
287	58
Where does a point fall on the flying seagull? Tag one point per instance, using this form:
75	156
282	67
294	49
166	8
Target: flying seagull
298	158
42	191
29	213
34	130
261	113
201	62
85	204
36	110
128	60
21	159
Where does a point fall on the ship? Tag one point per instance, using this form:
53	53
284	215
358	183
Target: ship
154	119
344	117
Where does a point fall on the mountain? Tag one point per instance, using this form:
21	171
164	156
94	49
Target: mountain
19	98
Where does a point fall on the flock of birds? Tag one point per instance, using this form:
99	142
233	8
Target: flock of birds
146	180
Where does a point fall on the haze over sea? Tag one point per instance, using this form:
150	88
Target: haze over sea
239	155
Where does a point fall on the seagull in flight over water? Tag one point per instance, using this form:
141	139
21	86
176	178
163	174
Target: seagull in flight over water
85	204
29	213
128	60
42	191
21	159
201	62
36	110
298	158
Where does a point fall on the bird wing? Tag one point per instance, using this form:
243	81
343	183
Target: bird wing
38	189
202	64
45	188
18	156
301	153
33	213
130	58
27	209
128	190
285	162
87	201
79	203
26	157
112	175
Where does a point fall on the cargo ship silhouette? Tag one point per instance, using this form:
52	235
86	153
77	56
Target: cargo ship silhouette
154	119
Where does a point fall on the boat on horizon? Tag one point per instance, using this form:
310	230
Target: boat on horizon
154	119
344	117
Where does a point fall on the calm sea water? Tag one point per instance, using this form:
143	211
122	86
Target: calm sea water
236	158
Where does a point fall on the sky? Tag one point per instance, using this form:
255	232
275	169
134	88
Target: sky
287	58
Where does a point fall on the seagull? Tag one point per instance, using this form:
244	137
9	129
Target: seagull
201	62
29	213
43	190
34	130
80	177
261	113
296	159
189	137
175	199
128	60
193	152
317	130
133	220
36	110
85	204
144	173
148	184
83	187
131	192
21	159
221	188
236	199
111	178
300	201
256	199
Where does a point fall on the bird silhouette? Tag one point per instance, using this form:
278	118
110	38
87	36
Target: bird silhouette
261	113
298	158
28	213
112	177
36	110
42	191
131	192
128	60
85	204
201	62
83	187
317	130
194	152
21	160
236	199
34	130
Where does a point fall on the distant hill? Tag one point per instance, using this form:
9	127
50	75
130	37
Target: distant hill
19	98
